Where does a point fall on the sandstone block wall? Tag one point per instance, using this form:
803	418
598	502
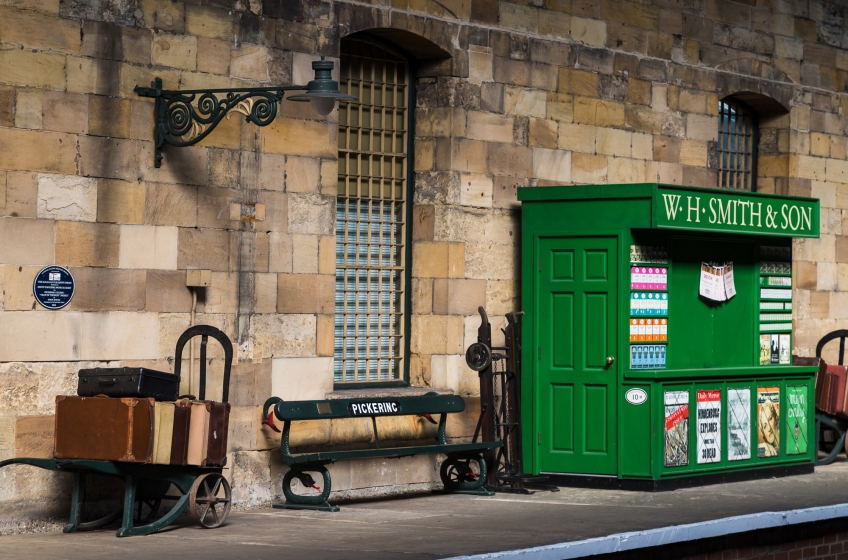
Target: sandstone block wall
508	94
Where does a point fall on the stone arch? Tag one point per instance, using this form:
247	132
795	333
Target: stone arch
432	44
766	89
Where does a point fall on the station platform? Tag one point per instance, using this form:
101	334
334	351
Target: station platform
572	523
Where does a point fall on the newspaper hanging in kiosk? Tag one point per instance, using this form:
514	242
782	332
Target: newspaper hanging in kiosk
709	426
676	428
768	421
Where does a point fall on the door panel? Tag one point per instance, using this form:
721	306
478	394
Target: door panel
563	306
563	397
576	325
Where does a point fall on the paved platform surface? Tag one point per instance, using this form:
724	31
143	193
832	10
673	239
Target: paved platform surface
442	526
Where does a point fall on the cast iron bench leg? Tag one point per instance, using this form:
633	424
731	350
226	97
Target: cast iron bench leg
459	478
297	501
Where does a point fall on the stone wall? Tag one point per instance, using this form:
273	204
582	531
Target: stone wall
509	94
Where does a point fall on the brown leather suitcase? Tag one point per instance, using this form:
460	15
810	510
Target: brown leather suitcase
219	427
179	439
103	428
840	374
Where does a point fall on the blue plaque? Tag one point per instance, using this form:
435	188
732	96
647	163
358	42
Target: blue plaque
53	287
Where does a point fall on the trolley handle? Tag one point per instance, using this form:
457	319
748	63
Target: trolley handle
205	331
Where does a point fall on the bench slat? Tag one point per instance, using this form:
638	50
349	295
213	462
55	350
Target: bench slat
366	407
331	456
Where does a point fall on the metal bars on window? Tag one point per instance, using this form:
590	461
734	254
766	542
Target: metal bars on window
370	223
737	146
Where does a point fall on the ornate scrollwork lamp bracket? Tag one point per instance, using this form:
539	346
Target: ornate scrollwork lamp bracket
184	118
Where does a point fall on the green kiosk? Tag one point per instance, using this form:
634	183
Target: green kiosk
657	340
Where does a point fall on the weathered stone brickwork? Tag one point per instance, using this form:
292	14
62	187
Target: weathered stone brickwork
508	94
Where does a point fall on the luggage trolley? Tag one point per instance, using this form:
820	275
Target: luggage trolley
203	490
825	422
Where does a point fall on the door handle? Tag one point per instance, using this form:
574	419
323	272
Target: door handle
610	360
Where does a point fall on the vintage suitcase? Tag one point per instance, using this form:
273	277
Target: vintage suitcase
207	445
163	432
179	438
219	427
198	433
128	382
823	395
838	390
103	428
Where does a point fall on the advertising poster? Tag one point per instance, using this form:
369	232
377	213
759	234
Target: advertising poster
796	420
676	428
768	421
785	350
709	426
738	424
765	349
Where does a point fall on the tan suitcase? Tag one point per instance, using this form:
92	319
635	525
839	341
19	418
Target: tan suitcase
198	433
163	432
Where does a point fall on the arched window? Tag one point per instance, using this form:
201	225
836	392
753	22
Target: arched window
737	145
372	234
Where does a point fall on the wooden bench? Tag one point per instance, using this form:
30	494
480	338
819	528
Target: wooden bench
456	472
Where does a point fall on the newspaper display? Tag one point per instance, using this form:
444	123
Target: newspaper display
717	281
738	424
709	426
768	421
796	420
676	428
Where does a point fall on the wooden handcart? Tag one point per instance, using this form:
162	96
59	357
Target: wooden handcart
202	490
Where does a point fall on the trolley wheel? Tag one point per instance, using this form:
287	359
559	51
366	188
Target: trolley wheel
210	500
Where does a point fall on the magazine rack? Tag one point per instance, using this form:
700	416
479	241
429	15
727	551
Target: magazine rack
658	338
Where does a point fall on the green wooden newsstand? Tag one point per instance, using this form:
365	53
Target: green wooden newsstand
657	341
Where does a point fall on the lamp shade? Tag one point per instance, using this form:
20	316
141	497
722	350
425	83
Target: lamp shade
323	91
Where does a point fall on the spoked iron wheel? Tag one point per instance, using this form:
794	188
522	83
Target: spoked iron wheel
210	500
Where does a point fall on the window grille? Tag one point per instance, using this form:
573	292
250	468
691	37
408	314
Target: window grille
371	229
737	146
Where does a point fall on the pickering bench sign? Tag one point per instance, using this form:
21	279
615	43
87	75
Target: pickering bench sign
736	212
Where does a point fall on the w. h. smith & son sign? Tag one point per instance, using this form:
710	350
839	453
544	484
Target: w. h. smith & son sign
735	212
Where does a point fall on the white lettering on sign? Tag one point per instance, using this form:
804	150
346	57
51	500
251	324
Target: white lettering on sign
375	408
672	204
724	211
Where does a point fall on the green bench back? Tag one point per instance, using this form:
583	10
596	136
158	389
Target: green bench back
368	407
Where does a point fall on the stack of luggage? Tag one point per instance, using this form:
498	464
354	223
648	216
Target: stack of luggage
135	415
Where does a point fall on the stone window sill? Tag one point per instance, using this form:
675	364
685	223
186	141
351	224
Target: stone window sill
384	392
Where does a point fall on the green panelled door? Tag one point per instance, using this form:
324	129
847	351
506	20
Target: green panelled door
577	333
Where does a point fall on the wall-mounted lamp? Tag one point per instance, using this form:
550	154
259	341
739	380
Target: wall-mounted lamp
182	122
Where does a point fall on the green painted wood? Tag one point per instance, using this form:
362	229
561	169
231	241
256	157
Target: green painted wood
700	209
710	346
634	454
323	457
707	334
724	211
577	310
341	408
